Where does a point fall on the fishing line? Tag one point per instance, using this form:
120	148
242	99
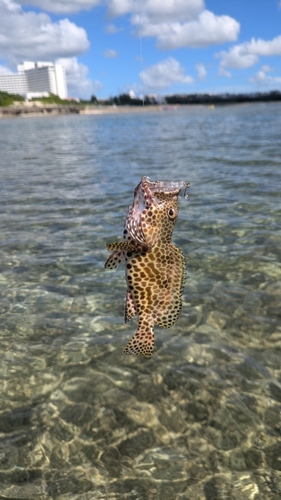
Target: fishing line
141	76
141	58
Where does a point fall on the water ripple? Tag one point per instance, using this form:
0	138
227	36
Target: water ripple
201	418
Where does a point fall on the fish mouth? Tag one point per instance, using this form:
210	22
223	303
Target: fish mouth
147	194
163	188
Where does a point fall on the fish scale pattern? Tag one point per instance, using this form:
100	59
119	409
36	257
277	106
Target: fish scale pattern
155	267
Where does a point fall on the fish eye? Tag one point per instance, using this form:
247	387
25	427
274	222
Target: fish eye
171	213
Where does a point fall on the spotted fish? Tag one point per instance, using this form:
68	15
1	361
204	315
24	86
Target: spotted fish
154	266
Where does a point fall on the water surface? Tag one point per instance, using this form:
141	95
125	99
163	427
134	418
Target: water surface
201	418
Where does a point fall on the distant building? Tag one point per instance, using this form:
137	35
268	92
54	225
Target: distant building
14	84
36	79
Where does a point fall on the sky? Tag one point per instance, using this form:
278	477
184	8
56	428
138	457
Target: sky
162	47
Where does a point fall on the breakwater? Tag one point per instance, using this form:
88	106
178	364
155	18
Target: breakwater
35	110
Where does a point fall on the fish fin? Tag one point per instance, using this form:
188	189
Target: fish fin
170	316
130	308
142	343
123	246
114	260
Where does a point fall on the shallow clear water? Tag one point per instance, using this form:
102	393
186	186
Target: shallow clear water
201	418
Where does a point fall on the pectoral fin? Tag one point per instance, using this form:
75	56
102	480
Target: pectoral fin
123	246
114	260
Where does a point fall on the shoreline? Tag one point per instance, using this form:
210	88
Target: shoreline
38	109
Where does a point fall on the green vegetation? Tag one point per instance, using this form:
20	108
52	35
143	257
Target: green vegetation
92	101
6	99
126	100
207	99
121	100
274	95
53	99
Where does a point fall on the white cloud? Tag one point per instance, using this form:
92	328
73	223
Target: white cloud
157	10
61	6
177	23
237	57
164	74
202	72
29	35
174	23
78	82
247	54
262	79
26	35
207	29
110	53
120	7
154	11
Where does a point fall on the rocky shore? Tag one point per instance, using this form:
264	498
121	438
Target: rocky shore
35	109
38	109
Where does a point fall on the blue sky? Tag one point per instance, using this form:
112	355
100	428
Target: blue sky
187	45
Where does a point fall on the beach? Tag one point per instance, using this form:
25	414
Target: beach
39	109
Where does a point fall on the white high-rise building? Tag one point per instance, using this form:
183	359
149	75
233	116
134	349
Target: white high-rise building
14	84
36	79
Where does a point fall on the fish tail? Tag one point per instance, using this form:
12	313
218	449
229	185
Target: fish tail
142	343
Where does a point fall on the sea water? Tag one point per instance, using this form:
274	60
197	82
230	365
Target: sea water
201	418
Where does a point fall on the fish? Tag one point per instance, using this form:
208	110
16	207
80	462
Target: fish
154	266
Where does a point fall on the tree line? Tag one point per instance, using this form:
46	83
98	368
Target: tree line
175	99
123	100
274	95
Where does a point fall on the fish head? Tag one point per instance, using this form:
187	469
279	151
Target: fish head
154	211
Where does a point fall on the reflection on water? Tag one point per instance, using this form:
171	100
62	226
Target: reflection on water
201	418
